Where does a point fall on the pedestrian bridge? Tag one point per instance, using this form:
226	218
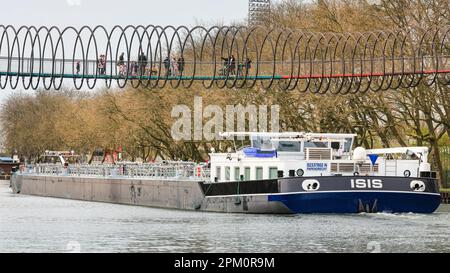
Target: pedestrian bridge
222	57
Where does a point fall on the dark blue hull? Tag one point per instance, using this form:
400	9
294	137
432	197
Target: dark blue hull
358	201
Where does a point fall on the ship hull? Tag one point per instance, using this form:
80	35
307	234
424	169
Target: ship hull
355	202
332	194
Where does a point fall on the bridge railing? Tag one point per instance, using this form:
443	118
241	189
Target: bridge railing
67	68
291	59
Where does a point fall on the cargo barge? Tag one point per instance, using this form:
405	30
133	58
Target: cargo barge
292	172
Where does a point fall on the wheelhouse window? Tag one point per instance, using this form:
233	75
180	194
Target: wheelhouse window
71	159
50	159
218	169
273	173
335	145
288	146
237	173
227	173
348	144
262	142
247	173
259	173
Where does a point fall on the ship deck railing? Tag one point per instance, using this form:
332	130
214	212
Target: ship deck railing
157	171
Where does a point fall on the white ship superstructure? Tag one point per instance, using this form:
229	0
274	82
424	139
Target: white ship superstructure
274	155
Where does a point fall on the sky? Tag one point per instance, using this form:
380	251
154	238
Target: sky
109	13
123	12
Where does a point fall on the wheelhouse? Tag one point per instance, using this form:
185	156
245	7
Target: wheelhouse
290	154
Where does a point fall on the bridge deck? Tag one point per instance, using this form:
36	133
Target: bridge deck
231	77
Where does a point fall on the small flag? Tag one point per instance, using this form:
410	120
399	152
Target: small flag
373	158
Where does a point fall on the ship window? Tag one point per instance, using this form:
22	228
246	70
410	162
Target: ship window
335	145
247	173
259	173
51	160
316	144
237	172
71	159
412	156
288	146
273	173
218	173
348	144
261	142
227	173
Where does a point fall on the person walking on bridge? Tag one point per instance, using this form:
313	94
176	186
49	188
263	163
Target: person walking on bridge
101	65
167	66
232	65
174	64
77	67
121	64
121	59
181	64
142	60
226	66
248	65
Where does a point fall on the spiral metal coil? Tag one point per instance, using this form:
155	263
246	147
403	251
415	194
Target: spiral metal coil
289	59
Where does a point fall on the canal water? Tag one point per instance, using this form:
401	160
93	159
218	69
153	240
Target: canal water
38	224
